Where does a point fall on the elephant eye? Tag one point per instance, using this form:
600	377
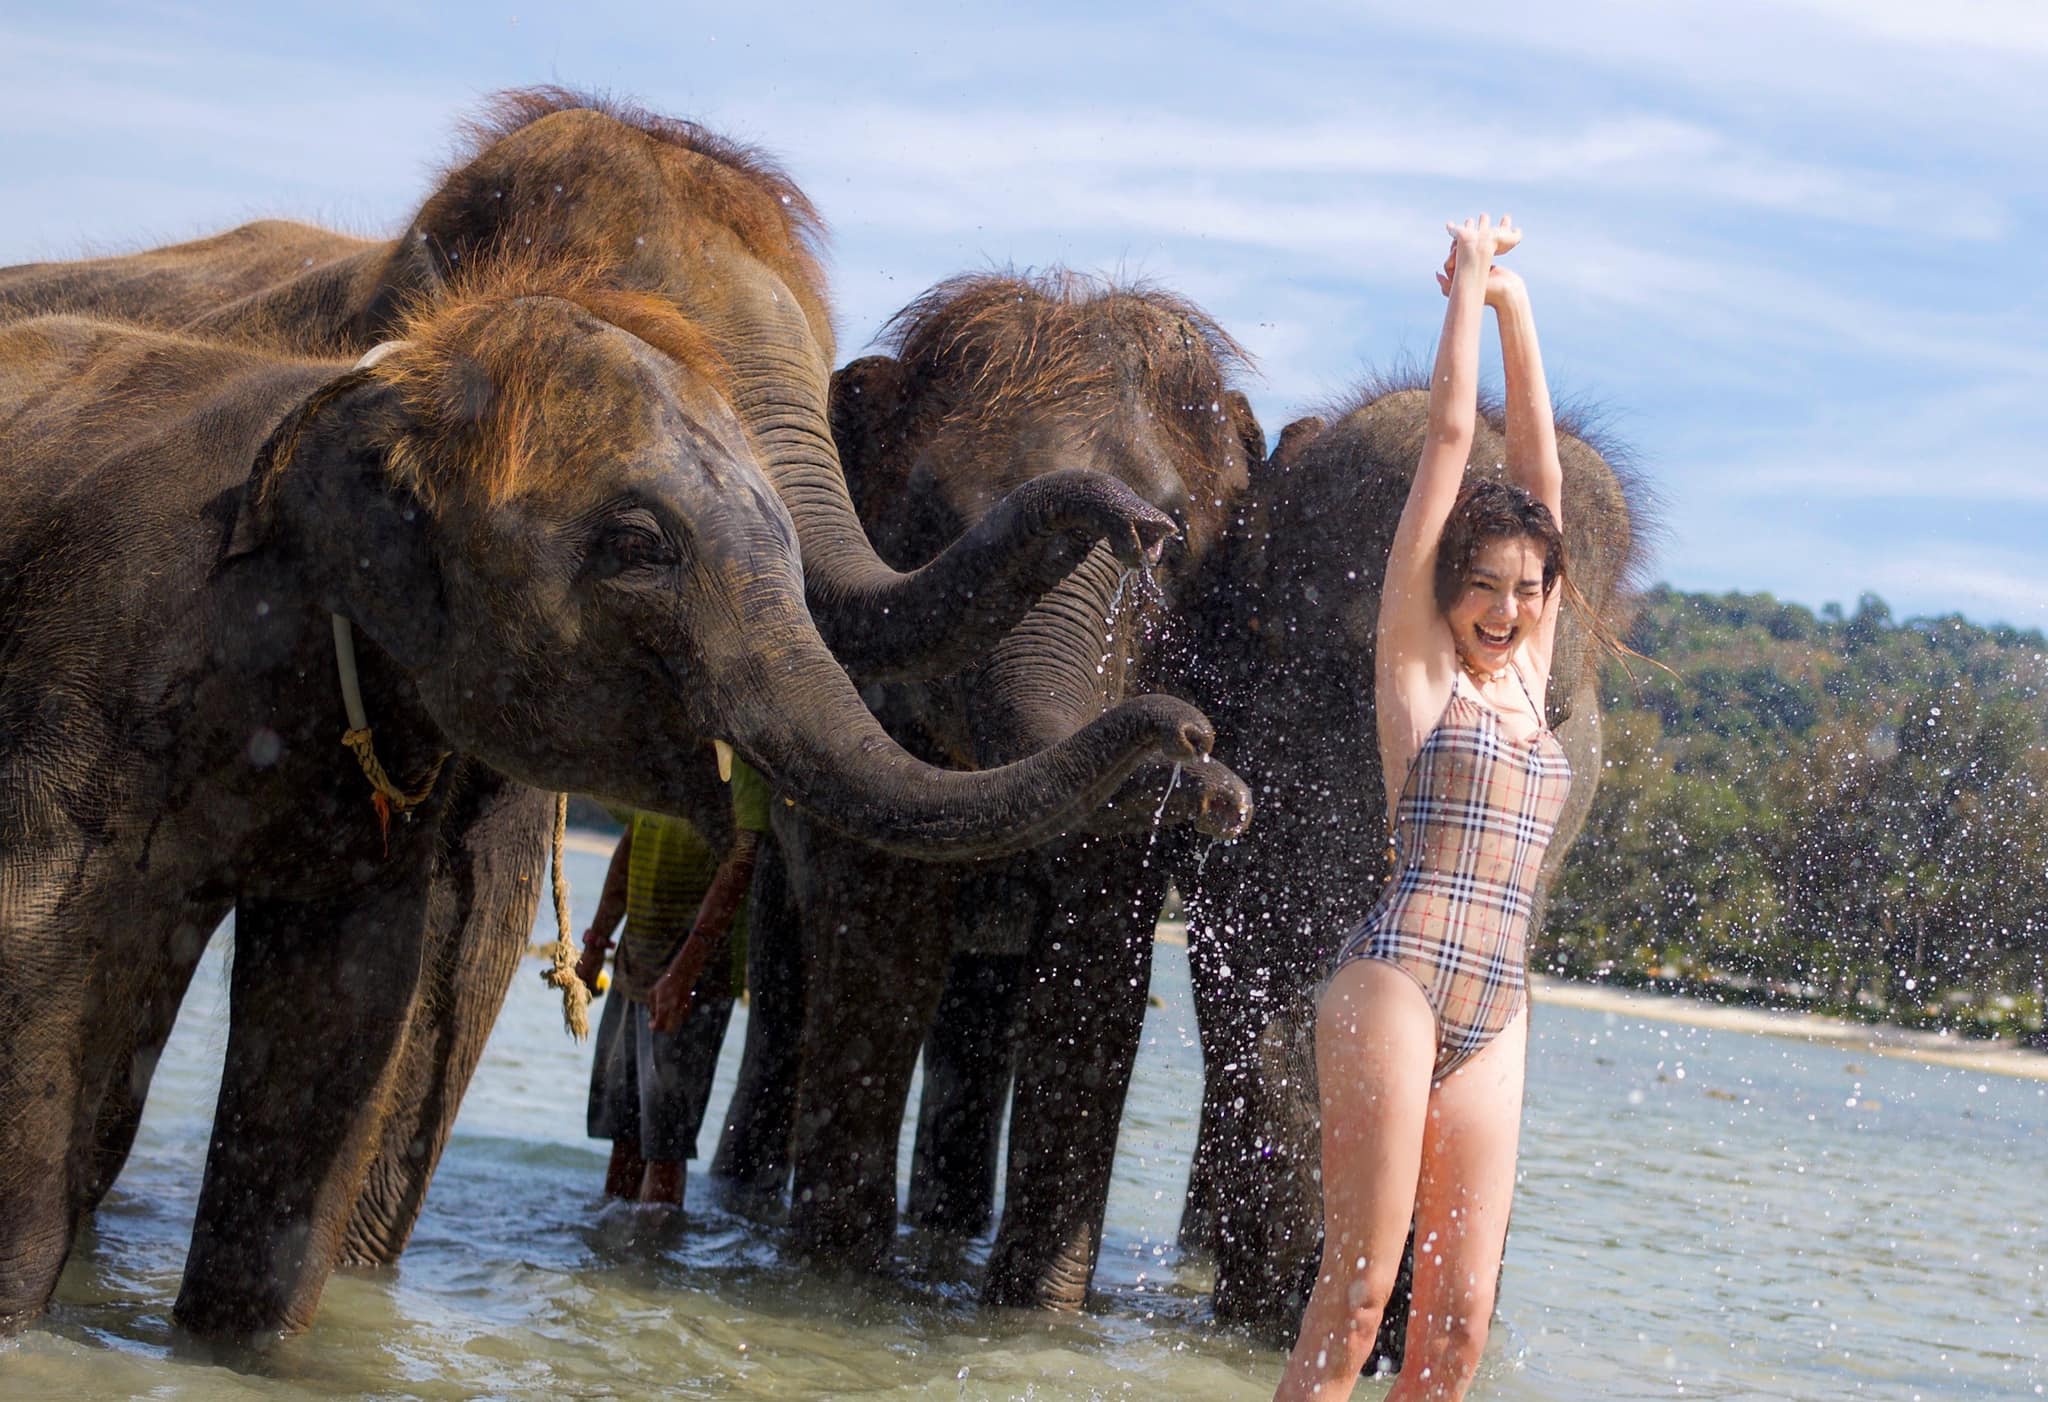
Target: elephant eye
630	544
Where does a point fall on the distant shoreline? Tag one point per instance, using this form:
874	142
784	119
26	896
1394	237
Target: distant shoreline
1876	1039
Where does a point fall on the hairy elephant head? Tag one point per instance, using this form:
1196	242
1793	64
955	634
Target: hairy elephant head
668	207
1001	380
542	506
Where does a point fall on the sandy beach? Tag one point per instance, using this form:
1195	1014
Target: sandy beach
1969	1054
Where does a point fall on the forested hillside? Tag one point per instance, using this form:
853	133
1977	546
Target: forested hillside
1846	812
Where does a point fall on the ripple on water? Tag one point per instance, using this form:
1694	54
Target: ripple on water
1740	1231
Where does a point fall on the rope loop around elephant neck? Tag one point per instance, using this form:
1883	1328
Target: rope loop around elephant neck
386	797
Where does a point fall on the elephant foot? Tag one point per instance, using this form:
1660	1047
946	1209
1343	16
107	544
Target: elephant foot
832	1229
28	1277
1021	1279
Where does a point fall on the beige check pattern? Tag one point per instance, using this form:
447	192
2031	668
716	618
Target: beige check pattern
1470	830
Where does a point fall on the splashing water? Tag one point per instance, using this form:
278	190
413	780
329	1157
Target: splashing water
1111	614
1159	813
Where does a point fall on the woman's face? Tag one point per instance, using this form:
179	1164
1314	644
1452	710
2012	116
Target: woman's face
1501	602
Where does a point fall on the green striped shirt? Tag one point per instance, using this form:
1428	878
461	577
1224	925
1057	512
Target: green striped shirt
667	873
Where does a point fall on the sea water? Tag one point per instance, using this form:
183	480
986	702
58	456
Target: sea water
1701	1213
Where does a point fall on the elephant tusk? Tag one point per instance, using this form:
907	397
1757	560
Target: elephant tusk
724	761
379	351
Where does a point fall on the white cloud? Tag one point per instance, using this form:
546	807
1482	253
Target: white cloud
1787	238
1626	153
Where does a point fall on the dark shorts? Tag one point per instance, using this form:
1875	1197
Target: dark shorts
655	1086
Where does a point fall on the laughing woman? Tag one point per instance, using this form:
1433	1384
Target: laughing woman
1420	1031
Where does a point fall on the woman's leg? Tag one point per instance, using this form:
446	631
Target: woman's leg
1461	1216
1375	1046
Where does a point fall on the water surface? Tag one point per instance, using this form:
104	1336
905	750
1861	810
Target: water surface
1702	1214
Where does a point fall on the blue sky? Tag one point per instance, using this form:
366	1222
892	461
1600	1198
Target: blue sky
1795	249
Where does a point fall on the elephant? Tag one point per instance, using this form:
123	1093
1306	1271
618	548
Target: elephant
662	206
215	558
993	380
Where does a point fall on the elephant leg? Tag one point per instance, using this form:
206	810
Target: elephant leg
44	1115
1268	1168
877	968
134	1065
74	1010
318	1007
968	1060
41	1195
1084	1008
753	1150
479	918
1200	1210
1234	1000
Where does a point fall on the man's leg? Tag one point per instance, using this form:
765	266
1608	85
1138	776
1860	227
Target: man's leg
675	1078
614	1107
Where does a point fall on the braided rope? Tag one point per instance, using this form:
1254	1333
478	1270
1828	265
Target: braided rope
386	797
399	800
561	970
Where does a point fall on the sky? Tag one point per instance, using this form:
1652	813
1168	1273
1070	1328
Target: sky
1793	251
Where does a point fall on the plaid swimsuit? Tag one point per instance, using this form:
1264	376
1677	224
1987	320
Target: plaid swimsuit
1471	825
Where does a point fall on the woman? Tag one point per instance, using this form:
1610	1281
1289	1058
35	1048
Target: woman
1421	1030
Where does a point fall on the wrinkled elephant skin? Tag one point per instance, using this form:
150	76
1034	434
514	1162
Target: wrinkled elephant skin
653	204
542	496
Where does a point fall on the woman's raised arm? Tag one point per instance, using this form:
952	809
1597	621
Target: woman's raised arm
1532	435
1408	604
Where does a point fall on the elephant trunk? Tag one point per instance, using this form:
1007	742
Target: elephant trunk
1068	658
882	623
795	715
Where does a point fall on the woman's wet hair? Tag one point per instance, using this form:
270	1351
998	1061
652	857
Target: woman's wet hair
1487	510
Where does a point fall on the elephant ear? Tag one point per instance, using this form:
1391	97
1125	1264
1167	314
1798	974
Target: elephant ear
867	425
417	271
1245	424
1293	439
321	503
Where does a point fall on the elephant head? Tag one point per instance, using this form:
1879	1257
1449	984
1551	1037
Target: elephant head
542	506
1287	618
1001	380
717	228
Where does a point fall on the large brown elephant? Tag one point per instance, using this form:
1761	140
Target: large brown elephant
539	504
1286	631
996	380
716	228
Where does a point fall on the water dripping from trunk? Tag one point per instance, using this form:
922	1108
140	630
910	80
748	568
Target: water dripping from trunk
1116	603
1159	813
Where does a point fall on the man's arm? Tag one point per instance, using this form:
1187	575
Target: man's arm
674	992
